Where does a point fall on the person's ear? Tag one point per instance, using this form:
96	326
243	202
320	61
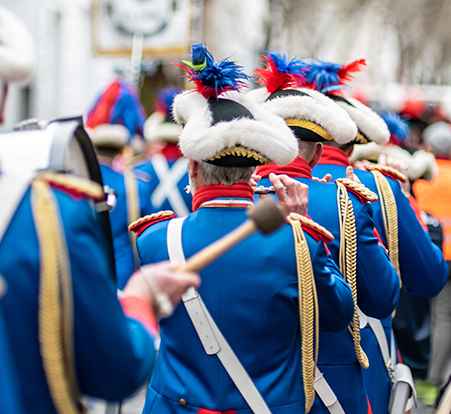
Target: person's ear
193	169
317	154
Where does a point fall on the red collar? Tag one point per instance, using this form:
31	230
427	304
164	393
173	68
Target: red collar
209	192
171	152
334	156
299	168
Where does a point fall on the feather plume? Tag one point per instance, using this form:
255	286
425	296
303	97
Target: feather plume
118	104
280	72
328	76
399	129
212	78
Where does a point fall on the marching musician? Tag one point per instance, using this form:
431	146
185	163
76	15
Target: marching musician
166	168
419	263
344	208
247	311
114	121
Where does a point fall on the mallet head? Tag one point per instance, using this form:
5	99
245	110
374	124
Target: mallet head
267	216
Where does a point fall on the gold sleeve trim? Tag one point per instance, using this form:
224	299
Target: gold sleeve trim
150	217
316	227
308	312
388	171
55	302
348	263
133	208
358	188
72	182
390	217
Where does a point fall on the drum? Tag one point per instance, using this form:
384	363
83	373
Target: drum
62	146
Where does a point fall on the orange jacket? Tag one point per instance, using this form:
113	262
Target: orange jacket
434	197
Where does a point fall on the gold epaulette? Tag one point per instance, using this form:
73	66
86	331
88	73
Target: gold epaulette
143	223
317	231
360	190
76	186
388	172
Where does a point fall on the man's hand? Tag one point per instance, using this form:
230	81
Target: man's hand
162	285
254	181
292	195
326	178
351	175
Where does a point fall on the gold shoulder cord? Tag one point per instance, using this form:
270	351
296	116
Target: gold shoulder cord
55	303
308	312
390	217
348	263
133	208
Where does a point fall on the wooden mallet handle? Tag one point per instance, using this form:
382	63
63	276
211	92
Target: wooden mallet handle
266	217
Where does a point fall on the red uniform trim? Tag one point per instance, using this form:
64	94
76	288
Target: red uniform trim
299	168
210	192
140	225
207	411
140	309
334	156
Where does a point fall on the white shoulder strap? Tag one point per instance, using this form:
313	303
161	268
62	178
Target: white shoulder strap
209	334
326	394
381	338
12	189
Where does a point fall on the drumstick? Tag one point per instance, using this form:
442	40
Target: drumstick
266	217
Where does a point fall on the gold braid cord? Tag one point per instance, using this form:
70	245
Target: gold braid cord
348	263
308	312
133	208
55	318
390	217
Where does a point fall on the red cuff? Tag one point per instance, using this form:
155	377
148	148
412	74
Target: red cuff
141	310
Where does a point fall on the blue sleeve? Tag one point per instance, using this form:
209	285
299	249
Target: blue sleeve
114	355
377	281
423	268
336	307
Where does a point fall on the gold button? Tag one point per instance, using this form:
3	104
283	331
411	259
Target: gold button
182	402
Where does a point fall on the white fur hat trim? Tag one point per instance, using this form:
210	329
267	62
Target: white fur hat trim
156	129
200	140
111	135
369	123
370	151
314	107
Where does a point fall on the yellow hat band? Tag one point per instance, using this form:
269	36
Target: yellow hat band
240	151
311	126
361	139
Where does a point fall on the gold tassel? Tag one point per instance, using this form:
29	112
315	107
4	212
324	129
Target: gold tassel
308	312
390	217
348	263
55	319
133	208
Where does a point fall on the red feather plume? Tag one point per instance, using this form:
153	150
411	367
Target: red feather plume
346	72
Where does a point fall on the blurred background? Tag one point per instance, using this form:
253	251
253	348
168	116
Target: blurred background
81	44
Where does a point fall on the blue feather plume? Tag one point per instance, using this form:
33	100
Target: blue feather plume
399	129
213	78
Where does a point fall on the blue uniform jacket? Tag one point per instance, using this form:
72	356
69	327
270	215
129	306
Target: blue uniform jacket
113	355
423	272
377	287
126	263
252	294
9	398
174	197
